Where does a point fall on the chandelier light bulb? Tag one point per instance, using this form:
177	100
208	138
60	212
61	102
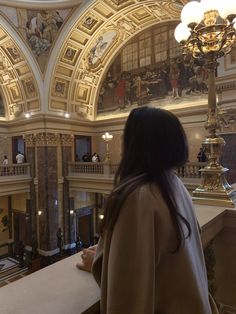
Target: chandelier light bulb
226	8
182	32
234	23
27	115
210	5
192	13
107	136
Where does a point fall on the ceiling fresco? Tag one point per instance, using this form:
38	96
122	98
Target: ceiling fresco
38	28
18	83
74	48
92	45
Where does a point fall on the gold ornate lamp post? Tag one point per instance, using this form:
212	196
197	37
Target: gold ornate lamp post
107	137
208	32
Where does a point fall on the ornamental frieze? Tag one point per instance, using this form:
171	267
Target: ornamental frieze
47	139
222	87
67	139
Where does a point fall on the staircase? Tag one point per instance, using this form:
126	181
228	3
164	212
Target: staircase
10	271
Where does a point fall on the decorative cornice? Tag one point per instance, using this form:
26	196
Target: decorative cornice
225	86
29	140
67	139
48	139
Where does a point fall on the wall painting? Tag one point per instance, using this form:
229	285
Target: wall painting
151	70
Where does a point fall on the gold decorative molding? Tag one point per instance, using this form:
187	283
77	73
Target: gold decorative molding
20	89
67	139
47	139
85	58
30	140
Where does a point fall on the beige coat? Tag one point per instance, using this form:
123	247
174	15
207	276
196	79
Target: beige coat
135	266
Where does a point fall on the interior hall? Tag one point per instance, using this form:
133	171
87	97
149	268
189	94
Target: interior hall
70	73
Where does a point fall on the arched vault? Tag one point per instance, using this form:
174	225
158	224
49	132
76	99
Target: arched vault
21	83
84	59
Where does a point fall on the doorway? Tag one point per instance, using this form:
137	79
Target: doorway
18	145
84	225
82	146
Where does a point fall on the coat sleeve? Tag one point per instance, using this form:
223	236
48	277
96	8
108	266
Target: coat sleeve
132	259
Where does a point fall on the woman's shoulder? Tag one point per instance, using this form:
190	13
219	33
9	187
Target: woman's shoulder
145	196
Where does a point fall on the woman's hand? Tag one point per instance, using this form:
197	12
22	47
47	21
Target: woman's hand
87	257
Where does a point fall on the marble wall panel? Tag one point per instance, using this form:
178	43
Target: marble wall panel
47	196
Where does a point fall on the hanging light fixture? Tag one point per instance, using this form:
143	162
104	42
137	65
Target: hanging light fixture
207	32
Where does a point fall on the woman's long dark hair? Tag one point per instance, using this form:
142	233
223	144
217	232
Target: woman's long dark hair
154	143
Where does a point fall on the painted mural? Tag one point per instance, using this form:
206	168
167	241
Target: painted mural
39	28
151	70
100	46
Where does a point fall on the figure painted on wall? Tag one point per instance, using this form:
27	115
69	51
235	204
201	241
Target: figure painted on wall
166	79
41	29
100	46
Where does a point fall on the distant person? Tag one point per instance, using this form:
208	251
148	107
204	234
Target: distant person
20	158
5	164
95	158
149	258
86	157
76	157
5	161
201	156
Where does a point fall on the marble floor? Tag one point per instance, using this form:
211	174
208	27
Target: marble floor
10	271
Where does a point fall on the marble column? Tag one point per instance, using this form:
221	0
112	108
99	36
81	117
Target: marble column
47	175
31	214
68	202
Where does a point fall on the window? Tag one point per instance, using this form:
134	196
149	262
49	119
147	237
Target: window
174	48
153	46
130	57
160	43
145	49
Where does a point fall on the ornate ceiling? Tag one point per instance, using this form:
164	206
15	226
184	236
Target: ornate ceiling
19	84
77	74
75	66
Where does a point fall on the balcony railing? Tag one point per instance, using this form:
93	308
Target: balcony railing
189	170
13	170
91	168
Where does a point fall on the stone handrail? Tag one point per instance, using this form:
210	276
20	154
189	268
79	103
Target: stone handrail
88	168
11	170
62	288
189	170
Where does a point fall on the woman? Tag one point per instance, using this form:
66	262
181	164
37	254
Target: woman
149	258
5	161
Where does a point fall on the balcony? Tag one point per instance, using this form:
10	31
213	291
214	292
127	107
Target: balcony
99	177
14	178
91	177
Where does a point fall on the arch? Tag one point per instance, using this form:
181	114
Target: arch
47	4
23	89
60	42
77	72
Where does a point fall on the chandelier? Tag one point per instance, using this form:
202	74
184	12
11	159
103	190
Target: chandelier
208	32
107	137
